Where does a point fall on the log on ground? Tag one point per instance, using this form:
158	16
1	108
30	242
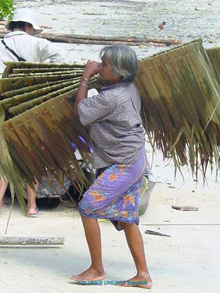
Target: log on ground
32	241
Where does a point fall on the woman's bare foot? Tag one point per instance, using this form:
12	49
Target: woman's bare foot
140	280
89	275
32	212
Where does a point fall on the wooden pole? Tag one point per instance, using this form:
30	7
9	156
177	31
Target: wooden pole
111	39
31	241
99	40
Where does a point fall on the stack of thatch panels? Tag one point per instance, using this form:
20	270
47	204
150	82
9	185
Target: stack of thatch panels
181	105
39	127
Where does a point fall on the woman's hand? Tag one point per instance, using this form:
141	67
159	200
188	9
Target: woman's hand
92	67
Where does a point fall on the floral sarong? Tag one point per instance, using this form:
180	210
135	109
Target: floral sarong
115	194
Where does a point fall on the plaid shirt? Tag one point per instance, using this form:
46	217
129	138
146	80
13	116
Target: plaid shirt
115	125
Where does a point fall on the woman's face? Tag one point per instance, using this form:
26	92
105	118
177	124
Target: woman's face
106	72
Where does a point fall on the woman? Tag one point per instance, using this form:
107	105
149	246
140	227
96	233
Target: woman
117	138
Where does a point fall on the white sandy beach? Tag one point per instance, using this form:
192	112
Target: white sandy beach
186	262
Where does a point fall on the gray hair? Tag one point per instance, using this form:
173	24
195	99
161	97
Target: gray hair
124	61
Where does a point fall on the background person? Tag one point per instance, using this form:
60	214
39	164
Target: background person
21	45
118	143
23	42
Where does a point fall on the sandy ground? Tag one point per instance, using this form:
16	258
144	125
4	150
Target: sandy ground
185	20
188	261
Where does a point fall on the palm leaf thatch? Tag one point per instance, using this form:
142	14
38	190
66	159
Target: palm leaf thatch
181	105
38	129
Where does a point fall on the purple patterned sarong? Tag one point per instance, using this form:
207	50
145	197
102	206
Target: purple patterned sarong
115	194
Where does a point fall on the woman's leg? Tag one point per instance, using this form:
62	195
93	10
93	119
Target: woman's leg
93	236
3	187
136	246
31	205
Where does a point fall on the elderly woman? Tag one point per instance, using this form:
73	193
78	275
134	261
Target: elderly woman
117	138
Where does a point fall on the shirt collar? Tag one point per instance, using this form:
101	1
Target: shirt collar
115	85
16	33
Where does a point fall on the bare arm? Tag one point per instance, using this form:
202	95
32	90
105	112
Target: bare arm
91	69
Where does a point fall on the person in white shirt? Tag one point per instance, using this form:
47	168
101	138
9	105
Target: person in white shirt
21	45
23	42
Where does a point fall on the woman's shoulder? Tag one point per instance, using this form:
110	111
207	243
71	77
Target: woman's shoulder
119	88
122	92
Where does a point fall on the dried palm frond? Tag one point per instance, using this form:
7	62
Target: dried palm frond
7	167
214	56
181	105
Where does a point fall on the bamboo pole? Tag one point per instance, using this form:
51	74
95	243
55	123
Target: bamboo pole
21	74
19	104
28	89
50	90
19	109
19	82
32	241
45	70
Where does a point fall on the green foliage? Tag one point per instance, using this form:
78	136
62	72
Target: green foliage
6	9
